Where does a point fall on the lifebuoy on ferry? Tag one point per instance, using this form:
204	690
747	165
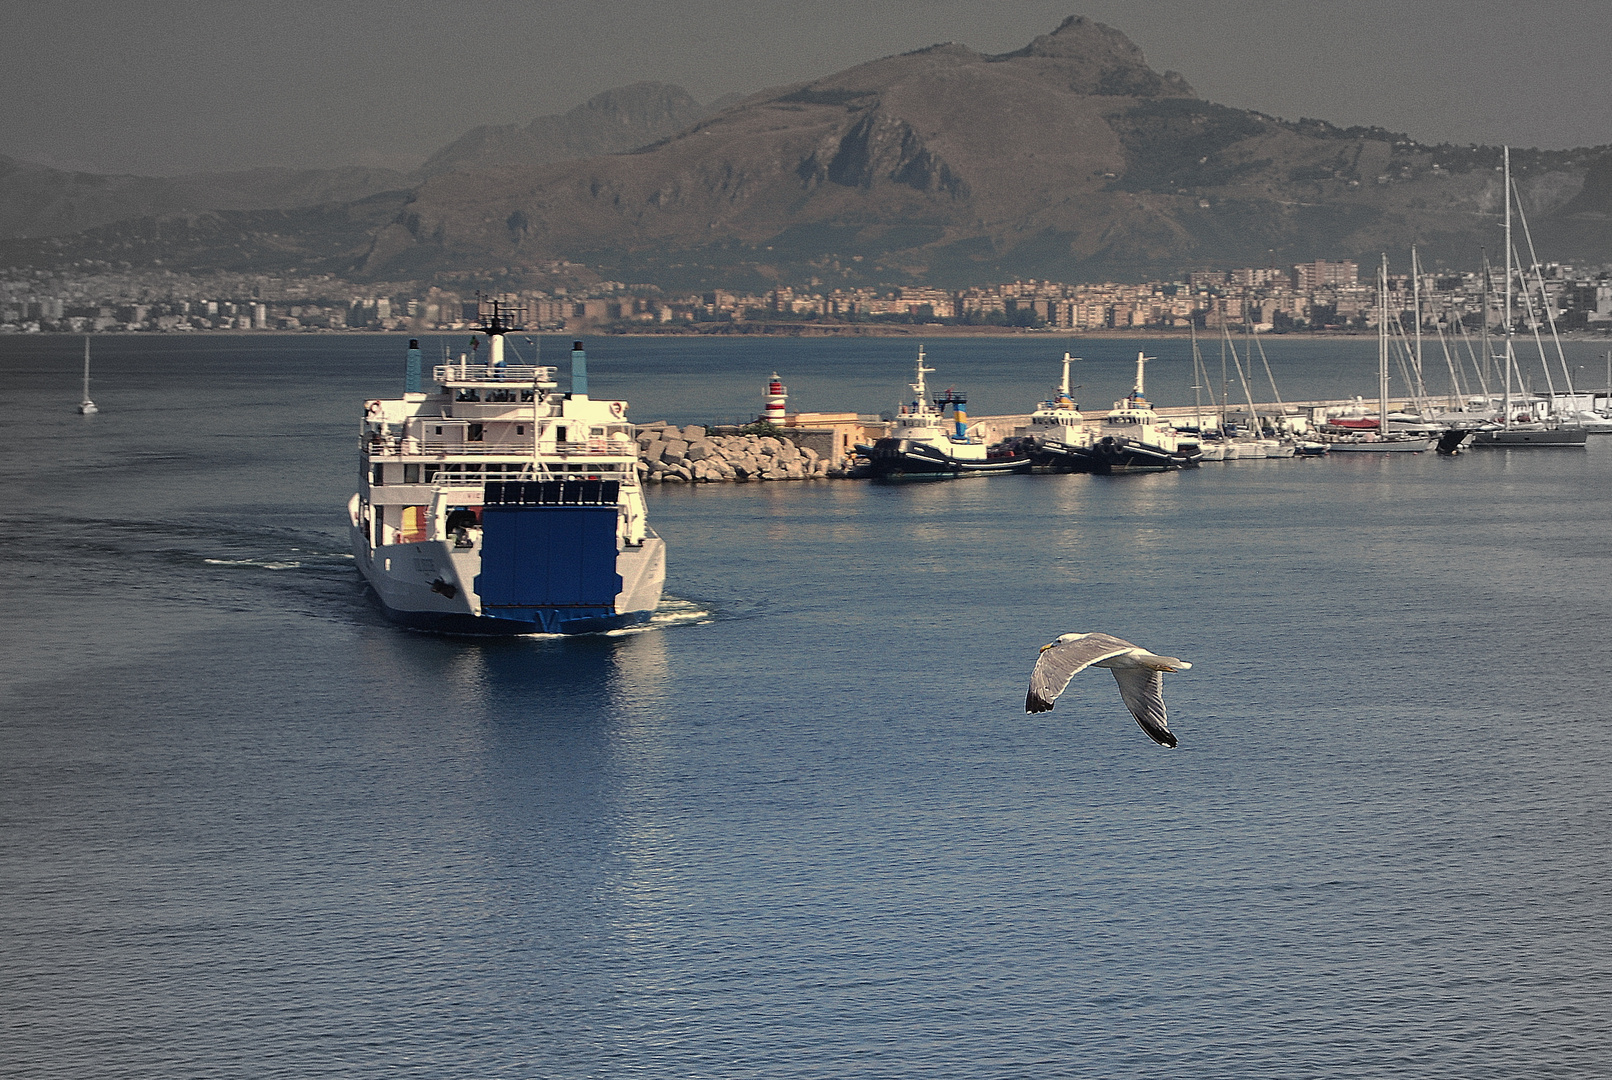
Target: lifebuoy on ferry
616	409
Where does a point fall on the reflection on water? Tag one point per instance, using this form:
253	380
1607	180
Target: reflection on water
804	827
640	681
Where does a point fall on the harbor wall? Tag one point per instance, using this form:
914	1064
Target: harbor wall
668	454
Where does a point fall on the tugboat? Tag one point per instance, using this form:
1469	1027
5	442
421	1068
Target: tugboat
1132	438
1057	438
498	505
919	445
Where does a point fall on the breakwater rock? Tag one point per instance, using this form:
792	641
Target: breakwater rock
672	455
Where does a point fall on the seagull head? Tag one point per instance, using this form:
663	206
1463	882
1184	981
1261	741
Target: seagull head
1062	639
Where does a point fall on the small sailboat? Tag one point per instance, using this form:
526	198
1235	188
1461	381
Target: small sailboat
87	407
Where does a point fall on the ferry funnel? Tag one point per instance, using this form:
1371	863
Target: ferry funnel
411	372
579	370
961	418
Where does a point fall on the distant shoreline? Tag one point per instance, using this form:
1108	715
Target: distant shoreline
785	331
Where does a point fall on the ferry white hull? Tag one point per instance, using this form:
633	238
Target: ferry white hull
432	585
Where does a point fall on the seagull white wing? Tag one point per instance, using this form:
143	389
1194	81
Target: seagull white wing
1143	691
1060	663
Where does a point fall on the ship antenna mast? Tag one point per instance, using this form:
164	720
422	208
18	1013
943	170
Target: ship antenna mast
919	385
1141	360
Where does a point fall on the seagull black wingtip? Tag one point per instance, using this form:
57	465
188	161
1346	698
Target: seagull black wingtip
1162	736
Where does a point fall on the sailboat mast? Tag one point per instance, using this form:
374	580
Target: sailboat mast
1506	330
86	367
1197	387
1248	391
1281	406
1488	338
1416	303
1225	336
1382	349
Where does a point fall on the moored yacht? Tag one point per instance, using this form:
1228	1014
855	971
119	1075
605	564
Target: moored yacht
498	505
1536	426
1531	421
1372	440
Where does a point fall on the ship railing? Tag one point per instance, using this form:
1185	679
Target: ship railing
477	480
570	492
393	447
529	374
597	448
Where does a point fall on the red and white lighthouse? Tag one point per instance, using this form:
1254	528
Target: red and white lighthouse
776	396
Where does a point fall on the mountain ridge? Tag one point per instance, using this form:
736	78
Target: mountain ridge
1068	158
39	201
613	122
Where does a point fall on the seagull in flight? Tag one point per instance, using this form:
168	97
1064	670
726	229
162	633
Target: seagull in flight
1140	675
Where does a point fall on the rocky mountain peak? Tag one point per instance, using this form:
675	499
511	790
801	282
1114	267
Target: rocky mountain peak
645	105
1101	60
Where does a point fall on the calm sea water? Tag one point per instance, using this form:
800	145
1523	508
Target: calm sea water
805	829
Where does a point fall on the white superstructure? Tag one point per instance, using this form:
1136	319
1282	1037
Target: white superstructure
1057	420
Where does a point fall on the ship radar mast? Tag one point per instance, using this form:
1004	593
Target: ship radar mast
918	387
498	317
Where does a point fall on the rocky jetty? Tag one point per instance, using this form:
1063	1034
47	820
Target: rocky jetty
668	454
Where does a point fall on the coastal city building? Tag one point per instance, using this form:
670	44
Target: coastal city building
1316	296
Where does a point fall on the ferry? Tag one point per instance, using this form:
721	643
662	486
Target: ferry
920	445
497	504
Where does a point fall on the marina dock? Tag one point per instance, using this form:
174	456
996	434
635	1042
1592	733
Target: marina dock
996	428
815	446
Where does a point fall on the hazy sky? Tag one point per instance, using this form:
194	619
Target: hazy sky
170	87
